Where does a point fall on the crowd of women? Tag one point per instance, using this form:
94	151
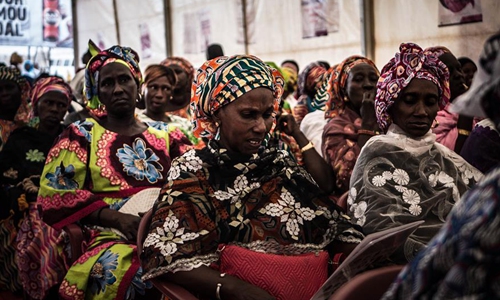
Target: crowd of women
258	165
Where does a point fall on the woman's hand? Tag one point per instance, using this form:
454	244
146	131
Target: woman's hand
287	124
127	224
368	111
241	290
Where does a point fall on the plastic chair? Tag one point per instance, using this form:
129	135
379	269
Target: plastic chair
370	285
169	289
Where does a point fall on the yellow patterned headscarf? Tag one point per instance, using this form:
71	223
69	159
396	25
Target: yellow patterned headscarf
222	80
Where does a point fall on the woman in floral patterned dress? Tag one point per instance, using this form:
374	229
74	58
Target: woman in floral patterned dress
94	167
237	190
405	175
21	164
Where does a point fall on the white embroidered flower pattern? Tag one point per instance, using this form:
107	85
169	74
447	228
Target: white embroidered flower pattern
167	237
387	175
359	212
378	180
401	177
352	195
292	213
411	197
415	210
191	163
444	178
433	178
240	189
400	188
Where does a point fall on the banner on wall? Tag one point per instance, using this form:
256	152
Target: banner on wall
453	12
37	23
319	17
197	31
146	51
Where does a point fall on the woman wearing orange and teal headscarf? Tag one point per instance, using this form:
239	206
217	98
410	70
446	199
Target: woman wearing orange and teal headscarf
237	190
348	96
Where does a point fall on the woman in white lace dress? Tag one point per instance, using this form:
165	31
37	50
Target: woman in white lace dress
404	175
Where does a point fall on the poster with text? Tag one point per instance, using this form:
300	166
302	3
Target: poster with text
453	12
36	23
319	17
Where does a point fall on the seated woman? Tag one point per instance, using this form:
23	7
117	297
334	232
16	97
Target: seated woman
348	97
451	129
157	93
405	175
237	190
482	147
21	164
181	95
310	80
15	107
94	168
463	259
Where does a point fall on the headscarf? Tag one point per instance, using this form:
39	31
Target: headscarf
289	75
437	51
13	74
100	58
181	62
222	80
312	75
411	62
49	84
333	92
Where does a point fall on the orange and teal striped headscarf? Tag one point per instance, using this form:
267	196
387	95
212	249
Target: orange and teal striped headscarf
224	79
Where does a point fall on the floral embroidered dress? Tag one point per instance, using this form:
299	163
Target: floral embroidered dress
262	202
398	180
90	167
21	163
462	261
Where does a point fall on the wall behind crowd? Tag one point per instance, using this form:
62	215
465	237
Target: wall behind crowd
275	28
399	21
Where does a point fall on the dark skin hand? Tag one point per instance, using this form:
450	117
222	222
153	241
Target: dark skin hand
203	281
125	223
465	123
368	117
313	162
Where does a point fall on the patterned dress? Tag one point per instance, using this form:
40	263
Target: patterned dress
399	180
482	147
21	162
262	202
463	260
341	150
90	167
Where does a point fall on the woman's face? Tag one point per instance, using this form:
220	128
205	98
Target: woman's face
117	89
52	107
457	77
245	122
158	93
416	108
362	78
10	96
469	70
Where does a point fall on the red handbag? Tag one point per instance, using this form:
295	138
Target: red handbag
295	277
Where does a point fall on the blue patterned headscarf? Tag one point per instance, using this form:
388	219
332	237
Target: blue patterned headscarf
124	55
